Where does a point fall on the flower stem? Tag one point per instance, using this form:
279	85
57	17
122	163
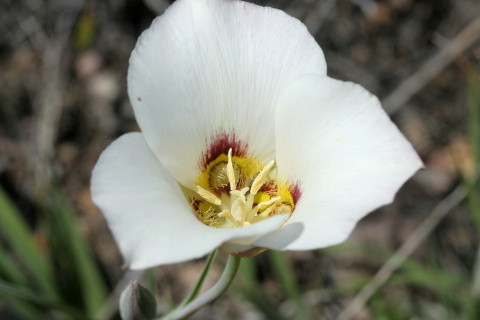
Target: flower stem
216	291
198	286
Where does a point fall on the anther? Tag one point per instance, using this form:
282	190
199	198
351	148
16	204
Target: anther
266	213
265	204
258	182
207	195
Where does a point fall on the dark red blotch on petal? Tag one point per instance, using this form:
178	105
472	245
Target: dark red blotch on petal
270	187
295	191
221	143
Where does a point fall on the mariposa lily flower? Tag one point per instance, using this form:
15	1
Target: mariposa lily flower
245	143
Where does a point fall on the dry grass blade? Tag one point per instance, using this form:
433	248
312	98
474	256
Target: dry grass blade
405	91
418	236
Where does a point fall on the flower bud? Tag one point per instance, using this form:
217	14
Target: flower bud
137	303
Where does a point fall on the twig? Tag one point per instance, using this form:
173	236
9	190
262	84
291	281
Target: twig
48	101
404	92
418	236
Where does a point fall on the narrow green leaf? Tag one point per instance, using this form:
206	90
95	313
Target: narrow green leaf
248	270
437	280
9	270
284	274
474	116
24	294
23	309
262	302
20	239
473	196
80	273
248	286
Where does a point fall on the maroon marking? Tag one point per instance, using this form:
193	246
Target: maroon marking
221	143
139	99
295	192
195	203
270	187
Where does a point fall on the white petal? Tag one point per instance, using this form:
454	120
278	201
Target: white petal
348	158
147	212
212	67
280	238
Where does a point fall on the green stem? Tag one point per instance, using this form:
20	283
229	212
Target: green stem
216	291
198	286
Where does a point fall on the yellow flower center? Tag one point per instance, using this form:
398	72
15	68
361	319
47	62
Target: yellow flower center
234	192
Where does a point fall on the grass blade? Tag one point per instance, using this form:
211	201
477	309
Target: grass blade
248	286
9	270
20	239
473	197
83	284
474	117
27	295
283	271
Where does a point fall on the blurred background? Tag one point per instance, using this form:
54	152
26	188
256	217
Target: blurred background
63	99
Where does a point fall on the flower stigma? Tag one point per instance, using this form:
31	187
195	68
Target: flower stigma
236	191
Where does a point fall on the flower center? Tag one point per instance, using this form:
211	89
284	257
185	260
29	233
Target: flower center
233	192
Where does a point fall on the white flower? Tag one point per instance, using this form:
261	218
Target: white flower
309	155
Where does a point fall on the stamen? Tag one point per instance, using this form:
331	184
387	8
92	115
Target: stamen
249	203
207	195
265	213
230	172
265	204
259	180
237	210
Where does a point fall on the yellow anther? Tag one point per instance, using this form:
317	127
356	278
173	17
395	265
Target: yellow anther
207	195
230	172
266	213
259	180
265	204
